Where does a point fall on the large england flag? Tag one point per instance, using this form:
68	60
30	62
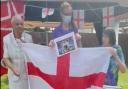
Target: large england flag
84	68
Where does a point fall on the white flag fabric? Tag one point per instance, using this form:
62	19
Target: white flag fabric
84	68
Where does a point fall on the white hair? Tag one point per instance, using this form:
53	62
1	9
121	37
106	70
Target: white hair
16	18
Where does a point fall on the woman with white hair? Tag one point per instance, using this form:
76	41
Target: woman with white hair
13	57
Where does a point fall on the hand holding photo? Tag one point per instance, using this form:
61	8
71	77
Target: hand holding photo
65	44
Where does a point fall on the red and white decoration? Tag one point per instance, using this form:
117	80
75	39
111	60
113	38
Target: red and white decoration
46	12
82	69
108	16
78	16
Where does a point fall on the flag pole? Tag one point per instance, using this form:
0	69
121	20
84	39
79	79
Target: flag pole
25	61
116	27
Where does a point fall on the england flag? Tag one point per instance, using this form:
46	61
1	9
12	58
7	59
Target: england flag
84	68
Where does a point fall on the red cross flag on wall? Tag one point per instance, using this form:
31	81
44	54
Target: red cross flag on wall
108	16
78	16
47	11
11	8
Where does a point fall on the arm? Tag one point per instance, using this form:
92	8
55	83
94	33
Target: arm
51	43
119	58
77	36
78	39
9	65
120	65
6	59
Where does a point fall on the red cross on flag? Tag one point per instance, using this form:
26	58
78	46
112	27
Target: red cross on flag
108	16
8	10
47	11
78	16
81	69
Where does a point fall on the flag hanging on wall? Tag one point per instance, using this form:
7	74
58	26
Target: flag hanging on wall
78	16
11	8
108	16
46	12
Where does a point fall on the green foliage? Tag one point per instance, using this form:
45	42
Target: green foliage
4	82
123	80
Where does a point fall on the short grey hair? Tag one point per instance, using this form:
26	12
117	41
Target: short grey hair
16	18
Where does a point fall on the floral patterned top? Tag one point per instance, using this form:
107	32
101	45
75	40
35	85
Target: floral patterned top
112	73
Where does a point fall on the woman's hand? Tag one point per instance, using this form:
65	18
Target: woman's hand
51	44
9	65
112	51
78	36
120	65
16	73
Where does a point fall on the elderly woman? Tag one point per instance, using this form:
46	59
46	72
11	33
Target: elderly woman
13	57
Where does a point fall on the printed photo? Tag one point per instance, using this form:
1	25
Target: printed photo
65	44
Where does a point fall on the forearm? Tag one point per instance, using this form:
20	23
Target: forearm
77	36
120	65
10	66
78	39
8	63
79	44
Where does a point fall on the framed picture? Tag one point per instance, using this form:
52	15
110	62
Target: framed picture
65	44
